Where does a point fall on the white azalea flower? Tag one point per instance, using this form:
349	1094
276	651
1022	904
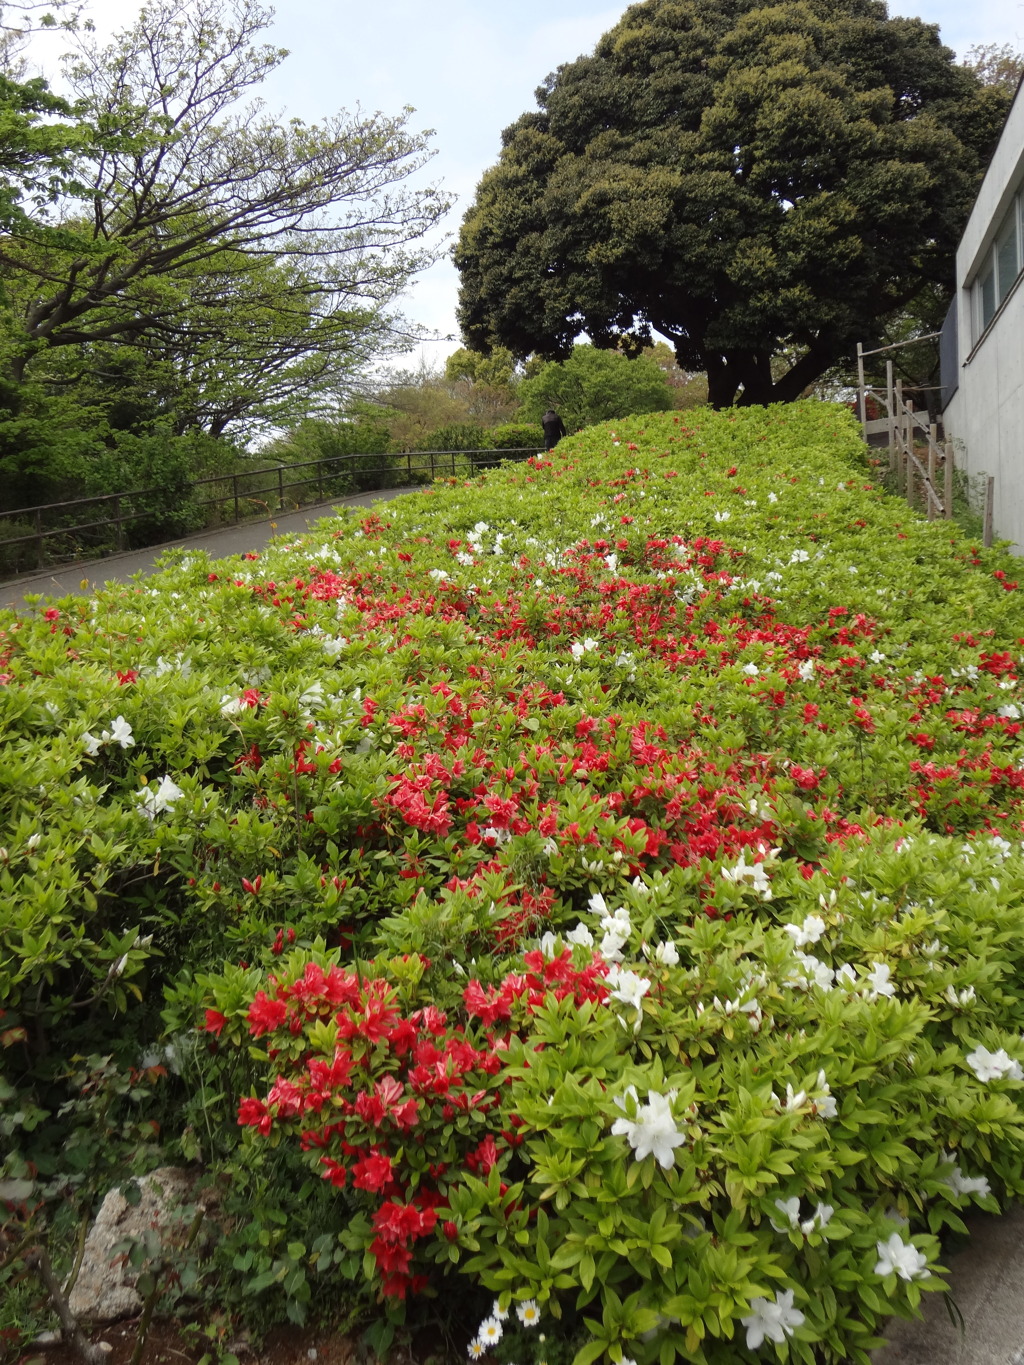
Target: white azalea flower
667	954
753	872
751	670
962	1184
628	988
794	1100
120	733
548	945
806	670
159	798
813	972
771	1320
877	981
958	998
653	1132
723	516
92	744
824	1102
896	1256
992	1066
799	557
790	1211
581	935
809	932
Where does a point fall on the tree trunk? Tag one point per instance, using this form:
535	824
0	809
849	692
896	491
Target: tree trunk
754	369
722	381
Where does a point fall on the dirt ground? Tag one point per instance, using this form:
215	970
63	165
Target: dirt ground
167	1345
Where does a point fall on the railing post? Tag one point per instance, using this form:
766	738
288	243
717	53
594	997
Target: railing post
990	496
431	466
933	451
890	411
901	463
408	465
862	400
234	489
453	464
947	492
39	537
118	524
280	488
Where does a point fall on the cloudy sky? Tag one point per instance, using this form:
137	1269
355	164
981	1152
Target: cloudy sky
469	68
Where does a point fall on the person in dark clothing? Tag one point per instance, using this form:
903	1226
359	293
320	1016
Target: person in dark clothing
554	428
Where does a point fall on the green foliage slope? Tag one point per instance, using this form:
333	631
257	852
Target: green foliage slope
668	788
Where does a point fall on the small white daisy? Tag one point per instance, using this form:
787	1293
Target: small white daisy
490	1332
498	1312
476	1349
528	1313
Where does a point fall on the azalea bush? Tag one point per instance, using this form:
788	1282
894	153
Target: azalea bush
596	884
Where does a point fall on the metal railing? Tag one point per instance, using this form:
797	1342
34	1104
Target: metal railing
63	532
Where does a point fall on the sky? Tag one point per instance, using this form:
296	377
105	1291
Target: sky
468	68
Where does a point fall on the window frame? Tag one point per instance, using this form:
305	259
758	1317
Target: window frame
989	292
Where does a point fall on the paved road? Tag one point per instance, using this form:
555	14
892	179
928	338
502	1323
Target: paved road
87	576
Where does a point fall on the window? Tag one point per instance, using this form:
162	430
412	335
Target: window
1000	268
986	298
1007	260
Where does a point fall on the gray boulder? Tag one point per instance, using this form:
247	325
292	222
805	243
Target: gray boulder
105	1287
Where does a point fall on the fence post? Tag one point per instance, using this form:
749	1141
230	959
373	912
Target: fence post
862	399
897	418
990	496
891	413
933	451
947	492
280	488
408	466
234	487
431	466
118	524
39	537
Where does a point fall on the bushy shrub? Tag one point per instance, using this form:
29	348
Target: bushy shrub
361	443
516	436
701	694
456	436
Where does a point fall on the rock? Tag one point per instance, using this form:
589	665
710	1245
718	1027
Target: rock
105	1287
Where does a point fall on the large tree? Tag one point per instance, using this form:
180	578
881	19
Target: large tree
750	182
210	231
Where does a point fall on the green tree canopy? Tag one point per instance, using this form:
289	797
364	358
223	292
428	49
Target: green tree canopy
211	228
595	386
745	180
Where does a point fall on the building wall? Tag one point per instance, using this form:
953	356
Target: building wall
985	416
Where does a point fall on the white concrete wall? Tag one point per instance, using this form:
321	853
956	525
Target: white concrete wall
985	418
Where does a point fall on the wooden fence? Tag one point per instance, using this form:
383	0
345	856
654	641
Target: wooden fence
917	461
